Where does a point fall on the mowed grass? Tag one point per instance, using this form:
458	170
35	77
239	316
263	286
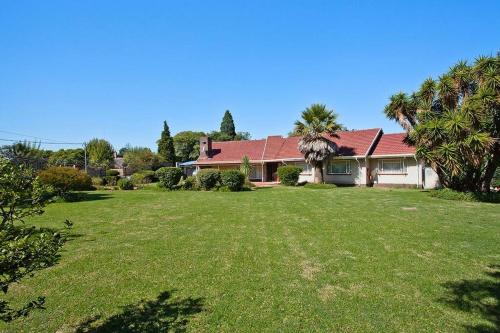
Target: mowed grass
276	259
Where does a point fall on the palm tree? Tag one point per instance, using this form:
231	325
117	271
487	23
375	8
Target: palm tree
454	123
317	121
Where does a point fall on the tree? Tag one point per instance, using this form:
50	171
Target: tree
166	148
317	121
246	167
27	153
68	157
140	158
219	136
227	125
100	153
187	145
24	249
454	123
123	150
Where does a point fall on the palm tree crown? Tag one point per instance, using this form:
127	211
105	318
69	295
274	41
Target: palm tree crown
316	121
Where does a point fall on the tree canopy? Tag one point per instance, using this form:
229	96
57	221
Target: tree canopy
316	121
454	123
166	149
227	125
187	145
100	154
140	158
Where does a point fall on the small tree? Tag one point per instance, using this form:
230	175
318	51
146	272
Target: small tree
24	249
187	145
166	148
101	154
227	125
139	158
246	167
317	121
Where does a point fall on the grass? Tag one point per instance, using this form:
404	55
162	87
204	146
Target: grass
275	259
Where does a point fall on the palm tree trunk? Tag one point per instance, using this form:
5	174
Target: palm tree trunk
490	169
318	173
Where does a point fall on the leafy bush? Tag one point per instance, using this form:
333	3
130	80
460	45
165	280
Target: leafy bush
111	180
169	177
449	194
111	172
207	179
125	184
97	181
289	174
320	186
65	179
189	183
232	179
144	177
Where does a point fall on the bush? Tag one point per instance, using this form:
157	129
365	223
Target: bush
232	179
111	180
207	179
125	184
289	174
189	183
143	177
320	186
449	194
169	177
97	181
65	179
111	172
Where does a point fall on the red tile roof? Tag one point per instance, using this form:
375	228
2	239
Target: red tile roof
392	144
349	143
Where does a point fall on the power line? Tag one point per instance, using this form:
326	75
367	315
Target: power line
26	135
44	142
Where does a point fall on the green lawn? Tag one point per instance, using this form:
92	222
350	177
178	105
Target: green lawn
279	259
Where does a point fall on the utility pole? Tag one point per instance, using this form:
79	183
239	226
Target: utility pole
85	154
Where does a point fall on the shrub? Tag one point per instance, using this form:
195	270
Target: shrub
169	177
232	179
65	179
144	177
449	194
189	183
125	184
289	174
111	172
97	181
320	186
110	180
207	179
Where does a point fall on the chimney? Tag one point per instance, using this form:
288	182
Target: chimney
205	147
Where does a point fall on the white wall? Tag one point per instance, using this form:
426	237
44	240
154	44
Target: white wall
431	178
411	176
356	177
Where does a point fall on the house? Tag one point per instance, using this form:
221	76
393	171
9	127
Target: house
364	158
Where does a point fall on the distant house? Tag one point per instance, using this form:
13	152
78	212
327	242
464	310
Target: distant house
365	158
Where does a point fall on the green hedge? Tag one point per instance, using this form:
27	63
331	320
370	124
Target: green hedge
232	179
466	196
114	173
289	174
125	184
169	177
208	179
65	179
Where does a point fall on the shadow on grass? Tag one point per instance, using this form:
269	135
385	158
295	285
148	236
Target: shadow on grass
481	296
160	315
85	196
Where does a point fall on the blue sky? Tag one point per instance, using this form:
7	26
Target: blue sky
73	70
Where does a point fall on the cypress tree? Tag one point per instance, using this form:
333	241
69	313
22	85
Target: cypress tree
227	125
166	145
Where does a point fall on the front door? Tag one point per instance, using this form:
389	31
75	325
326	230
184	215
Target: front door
272	171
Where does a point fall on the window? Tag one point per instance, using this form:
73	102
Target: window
339	167
393	166
306	167
255	172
